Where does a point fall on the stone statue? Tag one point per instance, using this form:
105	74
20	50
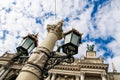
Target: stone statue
90	47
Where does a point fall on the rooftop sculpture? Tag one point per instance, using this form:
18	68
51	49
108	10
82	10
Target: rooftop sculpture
90	47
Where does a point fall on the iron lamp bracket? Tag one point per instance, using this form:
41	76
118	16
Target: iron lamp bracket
56	58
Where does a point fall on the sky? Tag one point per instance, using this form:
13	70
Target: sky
98	20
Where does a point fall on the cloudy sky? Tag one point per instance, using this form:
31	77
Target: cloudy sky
98	20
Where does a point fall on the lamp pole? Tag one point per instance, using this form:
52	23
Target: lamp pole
32	70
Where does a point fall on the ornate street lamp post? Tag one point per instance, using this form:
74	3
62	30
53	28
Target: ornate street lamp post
72	39
27	45
44	58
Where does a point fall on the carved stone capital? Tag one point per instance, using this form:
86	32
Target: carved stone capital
103	74
82	73
56	28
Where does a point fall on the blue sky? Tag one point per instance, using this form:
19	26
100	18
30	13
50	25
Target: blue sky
98	20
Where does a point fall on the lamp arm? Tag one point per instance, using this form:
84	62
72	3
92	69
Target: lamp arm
59	48
55	59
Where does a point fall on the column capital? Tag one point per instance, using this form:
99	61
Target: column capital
56	28
82	73
54	73
103	74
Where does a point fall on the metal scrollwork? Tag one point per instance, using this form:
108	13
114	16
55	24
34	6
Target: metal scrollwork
70	60
56	59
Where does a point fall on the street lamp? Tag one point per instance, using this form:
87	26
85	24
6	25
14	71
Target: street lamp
72	41
38	64
70	48
27	45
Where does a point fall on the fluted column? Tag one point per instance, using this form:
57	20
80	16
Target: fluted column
2	70
103	75
53	77
82	75
35	64
4	74
77	78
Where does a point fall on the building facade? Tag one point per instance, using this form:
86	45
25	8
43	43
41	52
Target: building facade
88	67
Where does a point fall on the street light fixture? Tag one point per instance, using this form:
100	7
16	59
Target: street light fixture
70	48
38	64
72	41
27	45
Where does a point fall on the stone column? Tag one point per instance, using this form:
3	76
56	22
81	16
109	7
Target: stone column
53	76
2	71
77	78
103	75
35	64
1	68
82	75
4	74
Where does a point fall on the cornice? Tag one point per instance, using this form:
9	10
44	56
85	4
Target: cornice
94	66
79	66
67	67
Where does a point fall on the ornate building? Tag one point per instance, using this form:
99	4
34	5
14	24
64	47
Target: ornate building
85	68
17	65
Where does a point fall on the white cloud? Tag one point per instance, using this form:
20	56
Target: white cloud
115	62
18	20
115	47
21	19
82	25
108	22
